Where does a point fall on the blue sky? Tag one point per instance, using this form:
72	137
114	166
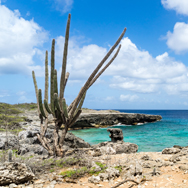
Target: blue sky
150	71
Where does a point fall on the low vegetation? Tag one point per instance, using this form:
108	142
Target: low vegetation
9	115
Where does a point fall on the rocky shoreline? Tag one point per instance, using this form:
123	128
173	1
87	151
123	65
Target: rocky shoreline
95	120
101	165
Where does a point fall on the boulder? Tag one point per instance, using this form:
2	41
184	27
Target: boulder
94	179
118	147
12	141
115	134
29	133
36	149
17	173
75	142
171	150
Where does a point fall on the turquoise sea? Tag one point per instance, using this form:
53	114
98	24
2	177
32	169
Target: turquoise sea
171	130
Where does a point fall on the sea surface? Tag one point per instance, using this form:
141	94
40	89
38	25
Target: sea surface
171	130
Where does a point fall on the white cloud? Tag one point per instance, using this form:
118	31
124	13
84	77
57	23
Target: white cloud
138	71
64	5
180	6
20	40
178	39
130	98
81	60
133	70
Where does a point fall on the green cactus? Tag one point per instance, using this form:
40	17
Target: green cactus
55	82
56	103
65	108
58	107
10	155
47	107
40	103
46	76
62	82
52	75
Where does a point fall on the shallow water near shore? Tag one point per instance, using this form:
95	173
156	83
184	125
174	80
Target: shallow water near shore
171	130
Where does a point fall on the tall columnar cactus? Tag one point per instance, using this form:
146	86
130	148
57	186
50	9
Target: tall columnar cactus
10	155
64	116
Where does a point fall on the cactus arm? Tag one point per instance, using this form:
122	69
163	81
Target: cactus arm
52	76
40	103
75	118
66	78
97	76
56	102
47	107
81	103
88	82
106	66
36	92
46	76
62	81
55	82
65	108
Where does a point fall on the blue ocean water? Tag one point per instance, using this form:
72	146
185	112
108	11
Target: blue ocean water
171	130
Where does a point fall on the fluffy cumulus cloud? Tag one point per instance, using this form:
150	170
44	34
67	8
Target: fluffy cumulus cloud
136	70
64	5
20	41
178	39
180	6
81	60
133	70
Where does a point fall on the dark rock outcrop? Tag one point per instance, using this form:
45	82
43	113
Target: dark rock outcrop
115	134
107	119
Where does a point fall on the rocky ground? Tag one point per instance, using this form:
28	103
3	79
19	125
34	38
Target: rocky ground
25	163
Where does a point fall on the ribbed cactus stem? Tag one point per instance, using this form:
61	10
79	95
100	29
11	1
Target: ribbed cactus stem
47	107
52	75
75	117
40	103
66	78
62	82
56	102
65	108
10	155
46	76
35	84
36	91
105	67
55	82
88	82
81	103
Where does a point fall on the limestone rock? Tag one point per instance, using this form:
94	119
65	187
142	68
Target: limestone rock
36	149
14	173
171	150
12	141
119	147
94	179
75	142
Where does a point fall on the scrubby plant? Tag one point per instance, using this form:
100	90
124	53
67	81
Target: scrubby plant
64	117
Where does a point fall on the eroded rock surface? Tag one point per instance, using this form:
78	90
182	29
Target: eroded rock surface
115	134
14	173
